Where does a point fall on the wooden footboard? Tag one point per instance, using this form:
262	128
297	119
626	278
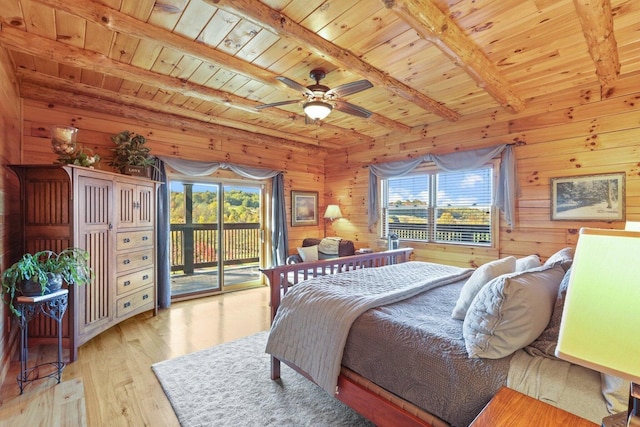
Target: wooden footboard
281	278
375	404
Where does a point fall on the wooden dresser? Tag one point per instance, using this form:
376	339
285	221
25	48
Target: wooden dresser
113	217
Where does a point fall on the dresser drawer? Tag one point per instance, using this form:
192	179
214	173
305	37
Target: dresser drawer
132	281
144	298
134	239
133	260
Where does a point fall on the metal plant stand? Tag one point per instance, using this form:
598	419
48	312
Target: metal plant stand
53	305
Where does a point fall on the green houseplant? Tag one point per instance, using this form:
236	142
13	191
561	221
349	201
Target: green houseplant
131	155
43	272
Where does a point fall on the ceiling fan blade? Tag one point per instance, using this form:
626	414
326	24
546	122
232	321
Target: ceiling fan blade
295	85
354	110
349	88
277	104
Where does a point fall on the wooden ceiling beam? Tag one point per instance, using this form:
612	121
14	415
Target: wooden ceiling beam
596	20
437	28
76	57
117	21
117	108
285	27
228	127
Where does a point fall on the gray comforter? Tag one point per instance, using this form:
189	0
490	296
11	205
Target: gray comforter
416	350
314	318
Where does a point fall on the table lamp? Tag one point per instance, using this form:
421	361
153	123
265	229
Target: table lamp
332	212
600	319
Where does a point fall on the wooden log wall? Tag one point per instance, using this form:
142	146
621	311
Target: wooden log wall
569	133
573	132
304	166
10	125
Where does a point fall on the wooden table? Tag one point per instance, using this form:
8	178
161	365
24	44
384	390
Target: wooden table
510	408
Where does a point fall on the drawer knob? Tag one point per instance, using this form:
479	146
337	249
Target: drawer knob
145	238
145	296
127	283
126	240
145	257
127	304
126	261
145	277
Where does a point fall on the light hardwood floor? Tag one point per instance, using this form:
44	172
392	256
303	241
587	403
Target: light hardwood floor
120	389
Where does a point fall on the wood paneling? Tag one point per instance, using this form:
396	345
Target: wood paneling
10	134
581	139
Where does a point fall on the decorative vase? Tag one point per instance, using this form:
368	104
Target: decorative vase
63	140
31	288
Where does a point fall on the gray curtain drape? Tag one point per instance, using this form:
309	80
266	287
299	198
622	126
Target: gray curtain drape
196	168
163	257
506	193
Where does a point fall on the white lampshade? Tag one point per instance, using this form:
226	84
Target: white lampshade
333	212
317	110
632	226
601	316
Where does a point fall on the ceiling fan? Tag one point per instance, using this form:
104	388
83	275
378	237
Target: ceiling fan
320	100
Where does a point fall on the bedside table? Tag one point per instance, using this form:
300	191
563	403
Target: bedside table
510	408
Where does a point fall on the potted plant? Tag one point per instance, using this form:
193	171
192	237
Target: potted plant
132	157
43	272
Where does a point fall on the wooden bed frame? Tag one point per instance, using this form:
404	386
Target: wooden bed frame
369	400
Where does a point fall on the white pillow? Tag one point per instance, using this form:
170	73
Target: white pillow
308	253
483	275
528	262
511	312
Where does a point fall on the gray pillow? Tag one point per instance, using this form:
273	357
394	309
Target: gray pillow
511	311
615	391
480	277
545	344
563	256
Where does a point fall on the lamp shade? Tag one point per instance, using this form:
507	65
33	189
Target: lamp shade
602	312
317	110
632	226
333	212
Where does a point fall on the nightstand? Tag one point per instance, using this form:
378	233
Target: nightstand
510	408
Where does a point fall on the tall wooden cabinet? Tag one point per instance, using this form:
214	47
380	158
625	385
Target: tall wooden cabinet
113	217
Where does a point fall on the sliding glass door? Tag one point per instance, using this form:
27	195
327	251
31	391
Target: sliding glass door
216	236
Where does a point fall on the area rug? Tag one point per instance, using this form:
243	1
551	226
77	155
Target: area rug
230	385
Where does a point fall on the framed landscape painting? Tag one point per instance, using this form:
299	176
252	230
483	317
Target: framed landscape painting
304	208
588	198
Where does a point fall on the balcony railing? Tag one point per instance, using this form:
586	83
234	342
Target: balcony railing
458	233
196	245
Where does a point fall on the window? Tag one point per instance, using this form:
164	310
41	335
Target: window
445	207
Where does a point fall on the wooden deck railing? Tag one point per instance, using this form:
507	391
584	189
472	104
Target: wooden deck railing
196	245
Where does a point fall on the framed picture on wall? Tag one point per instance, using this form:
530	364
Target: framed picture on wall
304	208
588	198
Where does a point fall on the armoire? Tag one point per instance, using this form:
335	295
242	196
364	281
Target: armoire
113	217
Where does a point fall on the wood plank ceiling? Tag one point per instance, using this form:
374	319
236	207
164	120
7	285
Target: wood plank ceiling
195	62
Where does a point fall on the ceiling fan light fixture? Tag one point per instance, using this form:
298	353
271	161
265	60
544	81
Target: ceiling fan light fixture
317	110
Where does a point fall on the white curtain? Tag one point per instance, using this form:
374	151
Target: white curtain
506	193
279	238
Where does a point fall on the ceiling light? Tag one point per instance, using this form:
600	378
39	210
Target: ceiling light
317	110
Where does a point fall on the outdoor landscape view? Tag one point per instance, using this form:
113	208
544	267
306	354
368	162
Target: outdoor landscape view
462	211
194	241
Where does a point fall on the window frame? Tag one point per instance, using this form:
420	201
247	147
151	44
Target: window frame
431	169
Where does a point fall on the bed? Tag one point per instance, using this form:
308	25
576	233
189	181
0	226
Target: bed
399	363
